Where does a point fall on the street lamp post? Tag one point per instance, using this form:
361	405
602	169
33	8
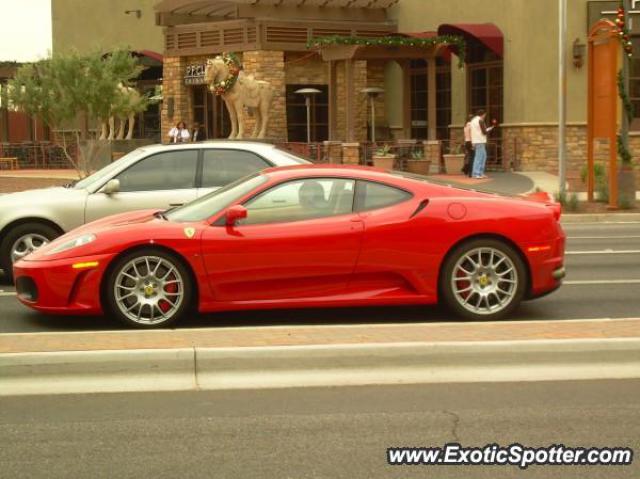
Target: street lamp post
373	93
562	94
308	93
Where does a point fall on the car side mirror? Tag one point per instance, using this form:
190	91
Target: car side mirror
112	186
234	214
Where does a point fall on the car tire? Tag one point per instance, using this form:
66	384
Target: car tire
148	288
21	238
483	279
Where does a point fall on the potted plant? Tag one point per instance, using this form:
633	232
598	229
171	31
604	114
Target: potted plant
418	164
454	160
383	158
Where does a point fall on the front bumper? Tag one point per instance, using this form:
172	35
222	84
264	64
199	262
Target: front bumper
57	287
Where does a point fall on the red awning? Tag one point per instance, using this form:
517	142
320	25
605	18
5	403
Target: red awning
486	33
150	54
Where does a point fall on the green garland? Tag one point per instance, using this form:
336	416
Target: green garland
395	41
624	96
627	46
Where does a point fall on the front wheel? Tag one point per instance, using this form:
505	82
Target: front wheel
23	240
148	289
483	279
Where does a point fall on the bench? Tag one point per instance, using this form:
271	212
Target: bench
11	163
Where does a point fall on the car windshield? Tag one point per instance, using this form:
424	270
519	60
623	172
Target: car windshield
213	203
108	171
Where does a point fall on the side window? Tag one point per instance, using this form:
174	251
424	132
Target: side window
172	170
301	200
221	167
373	196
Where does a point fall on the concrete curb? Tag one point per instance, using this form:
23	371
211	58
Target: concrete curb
600	218
305	366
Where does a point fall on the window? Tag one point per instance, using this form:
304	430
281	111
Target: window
301	200
297	114
172	170
221	167
373	196
420	99
634	85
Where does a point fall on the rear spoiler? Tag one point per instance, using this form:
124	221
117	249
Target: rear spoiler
546	199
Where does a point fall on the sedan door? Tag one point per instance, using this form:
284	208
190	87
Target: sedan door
162	180
287	249
223	166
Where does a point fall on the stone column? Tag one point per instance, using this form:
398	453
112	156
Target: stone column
176	95
269	66
332	151
351	153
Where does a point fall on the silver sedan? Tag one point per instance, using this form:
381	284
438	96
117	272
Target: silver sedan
157	176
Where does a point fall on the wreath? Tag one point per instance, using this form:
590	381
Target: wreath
234	66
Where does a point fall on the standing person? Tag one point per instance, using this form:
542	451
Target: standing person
479	133
179	133
467	169
197	134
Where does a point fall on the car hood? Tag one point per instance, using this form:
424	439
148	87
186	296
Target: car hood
42	196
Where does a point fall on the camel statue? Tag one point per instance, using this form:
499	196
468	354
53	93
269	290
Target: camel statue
225	78
128	103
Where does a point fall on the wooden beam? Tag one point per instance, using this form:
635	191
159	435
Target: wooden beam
350	97
431	95
333	100
406	98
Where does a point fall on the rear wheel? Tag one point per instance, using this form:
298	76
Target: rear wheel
148	289
22	240
483	279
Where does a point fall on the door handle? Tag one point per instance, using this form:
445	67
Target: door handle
175	205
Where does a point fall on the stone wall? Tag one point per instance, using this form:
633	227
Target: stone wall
269	66
304	68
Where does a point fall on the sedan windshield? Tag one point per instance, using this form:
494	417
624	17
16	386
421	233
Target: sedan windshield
107	172
214	203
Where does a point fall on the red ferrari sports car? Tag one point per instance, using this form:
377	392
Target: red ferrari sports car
305	236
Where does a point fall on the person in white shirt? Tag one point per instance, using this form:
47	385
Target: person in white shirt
479	133
468	148
197	134
179	133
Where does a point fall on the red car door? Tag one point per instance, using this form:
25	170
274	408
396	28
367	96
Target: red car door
300	239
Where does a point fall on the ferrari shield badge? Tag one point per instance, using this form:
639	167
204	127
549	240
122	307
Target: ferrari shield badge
189	232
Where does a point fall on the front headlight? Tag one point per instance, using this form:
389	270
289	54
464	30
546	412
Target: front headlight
73	243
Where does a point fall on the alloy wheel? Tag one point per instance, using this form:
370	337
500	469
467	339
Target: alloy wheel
27	244
149	290
484	281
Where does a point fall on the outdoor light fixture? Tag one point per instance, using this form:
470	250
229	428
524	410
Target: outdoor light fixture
578	53
138	13
373	93
308	93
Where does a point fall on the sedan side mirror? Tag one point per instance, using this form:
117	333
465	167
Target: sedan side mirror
112	186
234	214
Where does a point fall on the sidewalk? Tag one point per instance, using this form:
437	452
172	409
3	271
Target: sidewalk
20	180
312	356
245	337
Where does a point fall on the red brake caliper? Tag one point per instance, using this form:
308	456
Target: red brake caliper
170	288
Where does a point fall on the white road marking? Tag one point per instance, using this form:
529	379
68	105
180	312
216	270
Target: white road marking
601	281
601	237
591	223
605	251
8	293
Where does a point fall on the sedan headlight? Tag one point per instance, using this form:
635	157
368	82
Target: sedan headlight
73	243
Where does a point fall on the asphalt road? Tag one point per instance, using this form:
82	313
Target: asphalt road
603	281
313	433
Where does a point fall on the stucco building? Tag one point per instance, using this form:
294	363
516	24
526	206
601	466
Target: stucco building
511	66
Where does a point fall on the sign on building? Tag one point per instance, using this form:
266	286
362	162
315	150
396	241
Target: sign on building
194	74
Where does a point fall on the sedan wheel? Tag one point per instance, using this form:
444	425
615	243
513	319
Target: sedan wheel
483	279
23	240
149	290
27	244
